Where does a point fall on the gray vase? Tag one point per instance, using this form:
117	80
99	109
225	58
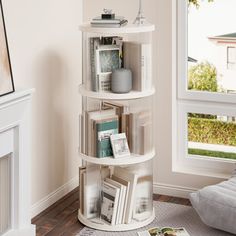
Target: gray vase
121	81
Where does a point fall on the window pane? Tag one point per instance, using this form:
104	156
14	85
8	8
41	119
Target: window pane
231	58
212	135
212	46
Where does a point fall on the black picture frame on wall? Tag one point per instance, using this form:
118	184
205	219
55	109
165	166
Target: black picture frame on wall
6	78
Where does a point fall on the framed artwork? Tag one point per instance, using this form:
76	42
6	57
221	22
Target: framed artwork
6	79
119	145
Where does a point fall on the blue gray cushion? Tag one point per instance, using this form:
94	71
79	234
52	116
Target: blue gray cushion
216	205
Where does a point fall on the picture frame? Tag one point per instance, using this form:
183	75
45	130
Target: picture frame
119	145
107	60
6	78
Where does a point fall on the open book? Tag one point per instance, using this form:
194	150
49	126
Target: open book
165	231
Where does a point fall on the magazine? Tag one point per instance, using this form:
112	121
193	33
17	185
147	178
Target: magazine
165	231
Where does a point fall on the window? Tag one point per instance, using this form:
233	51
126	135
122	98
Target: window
205	98
212	136
231	58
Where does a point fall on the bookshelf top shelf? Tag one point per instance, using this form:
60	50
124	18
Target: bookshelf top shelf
128	29
130	160
115	96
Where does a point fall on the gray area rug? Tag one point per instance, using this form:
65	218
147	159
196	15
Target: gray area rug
167	214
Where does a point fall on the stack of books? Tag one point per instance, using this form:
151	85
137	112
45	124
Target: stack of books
118	198
109	23
110	53
114	118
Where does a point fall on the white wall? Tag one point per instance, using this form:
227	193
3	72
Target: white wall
45	52
159	13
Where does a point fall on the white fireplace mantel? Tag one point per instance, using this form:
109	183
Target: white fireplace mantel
15	142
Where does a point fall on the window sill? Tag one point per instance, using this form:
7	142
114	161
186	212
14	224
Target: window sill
201	171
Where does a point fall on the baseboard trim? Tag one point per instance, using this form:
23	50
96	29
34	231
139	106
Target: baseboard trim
53	197
172	190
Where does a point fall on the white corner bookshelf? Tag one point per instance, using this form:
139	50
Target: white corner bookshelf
116	192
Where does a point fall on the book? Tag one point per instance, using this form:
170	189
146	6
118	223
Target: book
164	231
82	171
110	197
140	133
98	19
119	108
121	201
104	129
90	136
82	134
143	198
125	127
94	43
144	132
105	172
122	173
127	185
137	58
146	138
94	132
91	191
133	117
109	25
107	60
119	145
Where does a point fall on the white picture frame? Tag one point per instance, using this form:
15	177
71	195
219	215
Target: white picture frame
119	145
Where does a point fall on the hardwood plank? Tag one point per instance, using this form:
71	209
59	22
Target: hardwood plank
176	200
57	205
56	223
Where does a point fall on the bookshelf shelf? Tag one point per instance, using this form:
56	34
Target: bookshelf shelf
130	160
130	28
116	192
115	96
100	225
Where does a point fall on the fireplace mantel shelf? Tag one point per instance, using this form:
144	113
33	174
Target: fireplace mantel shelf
16	96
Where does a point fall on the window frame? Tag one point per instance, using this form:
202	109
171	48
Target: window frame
231	65
182	55
185	101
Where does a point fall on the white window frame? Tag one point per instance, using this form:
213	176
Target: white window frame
230	63
185	101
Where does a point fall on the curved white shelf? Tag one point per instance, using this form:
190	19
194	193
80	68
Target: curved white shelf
130	28
115	96
110	161
100	225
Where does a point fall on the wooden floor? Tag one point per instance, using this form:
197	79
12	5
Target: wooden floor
60	219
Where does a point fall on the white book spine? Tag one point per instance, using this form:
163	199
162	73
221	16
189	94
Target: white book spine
146	67
114	192
122	204
126	192
143	67
121	201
